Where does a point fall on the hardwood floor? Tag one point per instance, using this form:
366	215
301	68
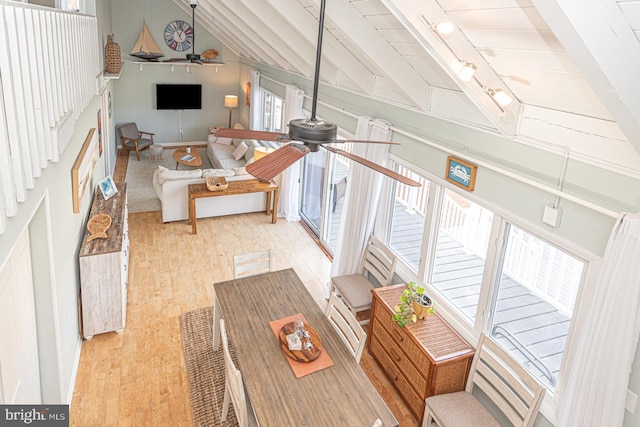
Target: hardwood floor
139	378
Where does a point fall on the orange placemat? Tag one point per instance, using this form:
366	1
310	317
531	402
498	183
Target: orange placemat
300	369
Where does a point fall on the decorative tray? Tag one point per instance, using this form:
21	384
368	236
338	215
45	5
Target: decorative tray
216	183
301	355
98	226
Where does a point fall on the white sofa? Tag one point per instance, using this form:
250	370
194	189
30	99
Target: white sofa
172	189
172	186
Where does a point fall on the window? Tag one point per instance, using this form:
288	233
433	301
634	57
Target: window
533	302
461	252
272	108
408	214
486	273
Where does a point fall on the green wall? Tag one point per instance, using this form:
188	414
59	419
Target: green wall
135	90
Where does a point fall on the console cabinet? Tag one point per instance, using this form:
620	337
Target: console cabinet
422	359
104	268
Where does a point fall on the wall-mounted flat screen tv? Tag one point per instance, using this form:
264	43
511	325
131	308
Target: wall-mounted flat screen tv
178	97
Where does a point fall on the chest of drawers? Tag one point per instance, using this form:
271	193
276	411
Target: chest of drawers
422	359
104	268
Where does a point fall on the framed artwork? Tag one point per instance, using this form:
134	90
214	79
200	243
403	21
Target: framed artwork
83	168
99	133
107	187
461	173
247	95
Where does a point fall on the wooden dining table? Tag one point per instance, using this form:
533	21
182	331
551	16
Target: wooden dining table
339	395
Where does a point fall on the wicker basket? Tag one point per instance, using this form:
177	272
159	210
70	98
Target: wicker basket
112	56
216	183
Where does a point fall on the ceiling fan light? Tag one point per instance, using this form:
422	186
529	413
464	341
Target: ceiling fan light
467	71
445	27
193	2
501	97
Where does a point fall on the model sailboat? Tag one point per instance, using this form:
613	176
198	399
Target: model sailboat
146	47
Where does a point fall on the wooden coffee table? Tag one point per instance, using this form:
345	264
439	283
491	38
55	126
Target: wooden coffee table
181	152
197	191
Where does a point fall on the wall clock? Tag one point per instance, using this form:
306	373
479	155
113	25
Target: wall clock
178	35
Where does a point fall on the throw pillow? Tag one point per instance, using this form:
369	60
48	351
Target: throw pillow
224	141
171	175
218	172
240	150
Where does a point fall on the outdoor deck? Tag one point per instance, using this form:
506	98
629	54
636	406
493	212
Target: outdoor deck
523	320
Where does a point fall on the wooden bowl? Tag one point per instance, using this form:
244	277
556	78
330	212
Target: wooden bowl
301	355
216	183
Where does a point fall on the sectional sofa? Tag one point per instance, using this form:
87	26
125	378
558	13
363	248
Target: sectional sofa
228	160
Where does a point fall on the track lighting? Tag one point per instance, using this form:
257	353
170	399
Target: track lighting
467	71
500	97
445	27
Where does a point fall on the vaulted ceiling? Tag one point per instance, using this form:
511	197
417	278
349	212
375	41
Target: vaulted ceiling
570	68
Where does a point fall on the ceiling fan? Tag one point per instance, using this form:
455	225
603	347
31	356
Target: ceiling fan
309	135
192	57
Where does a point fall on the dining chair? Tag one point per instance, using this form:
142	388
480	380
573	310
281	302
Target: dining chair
510	388
234	388
134	139
378	262
251	264
346	325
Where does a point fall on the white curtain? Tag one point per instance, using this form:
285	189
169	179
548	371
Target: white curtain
289	201
362	197
594	375
255	111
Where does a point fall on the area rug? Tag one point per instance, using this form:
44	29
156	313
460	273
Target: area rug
205	369
141	196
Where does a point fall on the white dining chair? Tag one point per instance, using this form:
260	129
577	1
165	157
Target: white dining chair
346	325
379	263
251	264
234	388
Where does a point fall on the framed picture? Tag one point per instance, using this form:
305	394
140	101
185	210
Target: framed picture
108	187
461	173
99	133
83	168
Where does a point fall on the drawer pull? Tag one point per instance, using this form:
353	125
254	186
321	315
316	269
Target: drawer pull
395	355
398	335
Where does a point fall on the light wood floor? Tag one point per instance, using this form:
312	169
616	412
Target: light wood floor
139	378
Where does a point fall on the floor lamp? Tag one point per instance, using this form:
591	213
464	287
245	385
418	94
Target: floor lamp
231	102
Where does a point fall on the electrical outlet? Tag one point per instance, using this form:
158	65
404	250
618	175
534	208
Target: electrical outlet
552	216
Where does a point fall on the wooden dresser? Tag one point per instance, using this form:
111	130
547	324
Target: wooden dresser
423	359
104	268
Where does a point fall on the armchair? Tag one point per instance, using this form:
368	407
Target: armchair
132	138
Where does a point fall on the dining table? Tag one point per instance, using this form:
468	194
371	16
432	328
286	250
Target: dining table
337	395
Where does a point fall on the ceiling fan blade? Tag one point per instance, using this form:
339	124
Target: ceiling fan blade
368	141
252	134
274	163
377	168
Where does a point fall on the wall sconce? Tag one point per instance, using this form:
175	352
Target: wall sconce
231	102
445	28
500	97
467	71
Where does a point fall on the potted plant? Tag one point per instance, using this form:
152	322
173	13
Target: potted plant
414	304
